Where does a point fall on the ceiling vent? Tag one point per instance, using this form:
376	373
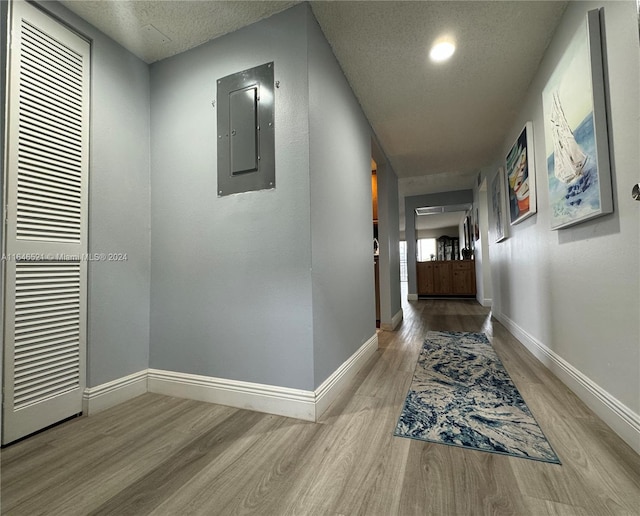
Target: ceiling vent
437	210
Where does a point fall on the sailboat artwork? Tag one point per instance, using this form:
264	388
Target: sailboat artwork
577	162
572	171
568	156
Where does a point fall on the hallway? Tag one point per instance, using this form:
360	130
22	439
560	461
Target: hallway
167	456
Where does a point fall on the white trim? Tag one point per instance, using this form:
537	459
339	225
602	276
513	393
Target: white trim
272	399
107	395
331	388
486	302
283	401
395	322
412	297
618	416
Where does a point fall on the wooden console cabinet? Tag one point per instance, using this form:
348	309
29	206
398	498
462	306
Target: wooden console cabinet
447	278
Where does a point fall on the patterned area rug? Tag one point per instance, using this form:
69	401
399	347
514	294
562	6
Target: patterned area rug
461	395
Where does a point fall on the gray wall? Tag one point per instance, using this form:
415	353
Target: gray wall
231	283
451	231
119	199
388	238
481	254
422	201
341	232
393	216
577	290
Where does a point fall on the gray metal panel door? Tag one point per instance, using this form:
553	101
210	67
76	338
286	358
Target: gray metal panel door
246	146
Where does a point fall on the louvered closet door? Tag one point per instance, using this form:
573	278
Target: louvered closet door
46	232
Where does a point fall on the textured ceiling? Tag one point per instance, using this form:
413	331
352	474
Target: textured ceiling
439	118
441	121
186	23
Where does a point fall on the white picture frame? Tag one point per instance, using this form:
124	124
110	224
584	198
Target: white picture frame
576	131
520	177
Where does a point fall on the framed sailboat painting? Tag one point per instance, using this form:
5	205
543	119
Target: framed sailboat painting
575	127
521	177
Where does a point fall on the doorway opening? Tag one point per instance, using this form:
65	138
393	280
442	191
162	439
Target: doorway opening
376	244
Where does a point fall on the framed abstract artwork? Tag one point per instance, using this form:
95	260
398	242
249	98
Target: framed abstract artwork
521	176
497	202
575	128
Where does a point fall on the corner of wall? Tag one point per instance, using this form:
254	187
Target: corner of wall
343	299
257	243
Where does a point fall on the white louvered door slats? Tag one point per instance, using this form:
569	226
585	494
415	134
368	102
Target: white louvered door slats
49	196
47	331
46	238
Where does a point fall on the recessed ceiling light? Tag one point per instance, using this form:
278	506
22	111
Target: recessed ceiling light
442	49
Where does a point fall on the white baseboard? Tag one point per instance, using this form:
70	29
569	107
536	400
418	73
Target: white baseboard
397	319
395	322
412	297
282	401
272	399
618	416
107	395
329	390
487	302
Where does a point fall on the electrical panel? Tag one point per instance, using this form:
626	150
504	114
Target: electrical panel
246	154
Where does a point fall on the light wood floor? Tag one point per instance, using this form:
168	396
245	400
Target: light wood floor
166	456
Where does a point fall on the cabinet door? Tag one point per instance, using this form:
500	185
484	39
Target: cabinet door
442	278
425	278
463	278
461	281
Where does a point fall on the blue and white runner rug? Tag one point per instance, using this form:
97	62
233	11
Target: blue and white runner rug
461	395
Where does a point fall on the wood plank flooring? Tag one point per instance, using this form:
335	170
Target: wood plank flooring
165	456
